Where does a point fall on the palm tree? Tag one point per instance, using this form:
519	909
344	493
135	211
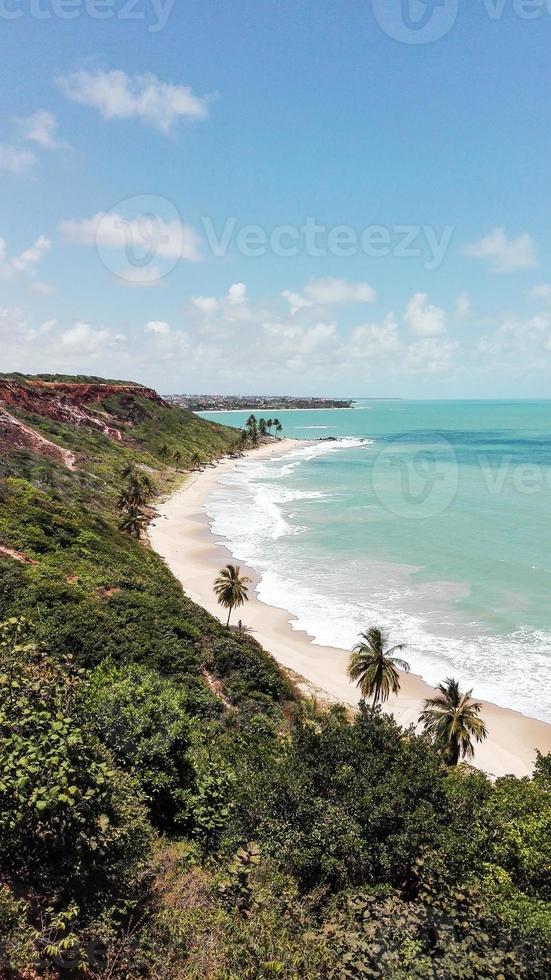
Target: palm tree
196	461
164	451
278	427
138	491
129	470
133	522
262	429
252	428
231	588
177	458
269	424
452	720
374	667
243	439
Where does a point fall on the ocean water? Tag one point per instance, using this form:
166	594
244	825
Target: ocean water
430	519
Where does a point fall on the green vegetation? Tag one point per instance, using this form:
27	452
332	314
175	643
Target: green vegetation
169	806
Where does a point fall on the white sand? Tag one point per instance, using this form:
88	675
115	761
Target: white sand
182	536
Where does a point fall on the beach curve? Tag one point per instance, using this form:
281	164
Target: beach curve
182	536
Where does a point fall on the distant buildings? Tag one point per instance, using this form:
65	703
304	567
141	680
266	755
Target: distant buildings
253	403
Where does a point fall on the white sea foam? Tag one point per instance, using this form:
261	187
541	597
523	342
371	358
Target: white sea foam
485	663
334	601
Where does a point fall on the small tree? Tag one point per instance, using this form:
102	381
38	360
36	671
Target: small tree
231	588
177	458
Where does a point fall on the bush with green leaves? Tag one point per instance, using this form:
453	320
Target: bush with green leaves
344	803
142	718
70	823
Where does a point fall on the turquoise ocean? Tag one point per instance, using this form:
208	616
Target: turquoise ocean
430	519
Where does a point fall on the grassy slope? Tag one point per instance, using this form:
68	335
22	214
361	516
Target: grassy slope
93	591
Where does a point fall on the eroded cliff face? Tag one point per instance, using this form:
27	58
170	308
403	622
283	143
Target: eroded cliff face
72	403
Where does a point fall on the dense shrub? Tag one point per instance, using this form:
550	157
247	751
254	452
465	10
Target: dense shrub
70	823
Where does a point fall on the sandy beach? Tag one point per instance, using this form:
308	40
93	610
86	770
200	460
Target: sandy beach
182	536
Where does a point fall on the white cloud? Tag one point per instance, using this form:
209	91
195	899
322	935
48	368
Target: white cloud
82	338
158	327
462	306
29	259
542	291
299	340
296	301
26	261
120	96
504	254
16	161
44	288
206	304
430	355
237	294
423	318
165	239
327	291
41	128
331	290
375	340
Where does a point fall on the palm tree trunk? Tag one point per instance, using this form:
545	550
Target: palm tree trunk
229	614
454	752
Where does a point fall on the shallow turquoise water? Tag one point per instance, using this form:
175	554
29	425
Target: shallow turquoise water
432	519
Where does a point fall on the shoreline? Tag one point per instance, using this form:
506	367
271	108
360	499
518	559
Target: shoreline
182	536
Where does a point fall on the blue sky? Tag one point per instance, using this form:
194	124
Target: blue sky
127	143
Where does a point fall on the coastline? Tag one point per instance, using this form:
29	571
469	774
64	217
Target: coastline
182	536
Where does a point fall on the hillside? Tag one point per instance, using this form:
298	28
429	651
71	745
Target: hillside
169	808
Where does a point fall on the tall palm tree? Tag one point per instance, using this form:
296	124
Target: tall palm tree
269	425
252	428
452	720
262	429
278	427
374	667
231	588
